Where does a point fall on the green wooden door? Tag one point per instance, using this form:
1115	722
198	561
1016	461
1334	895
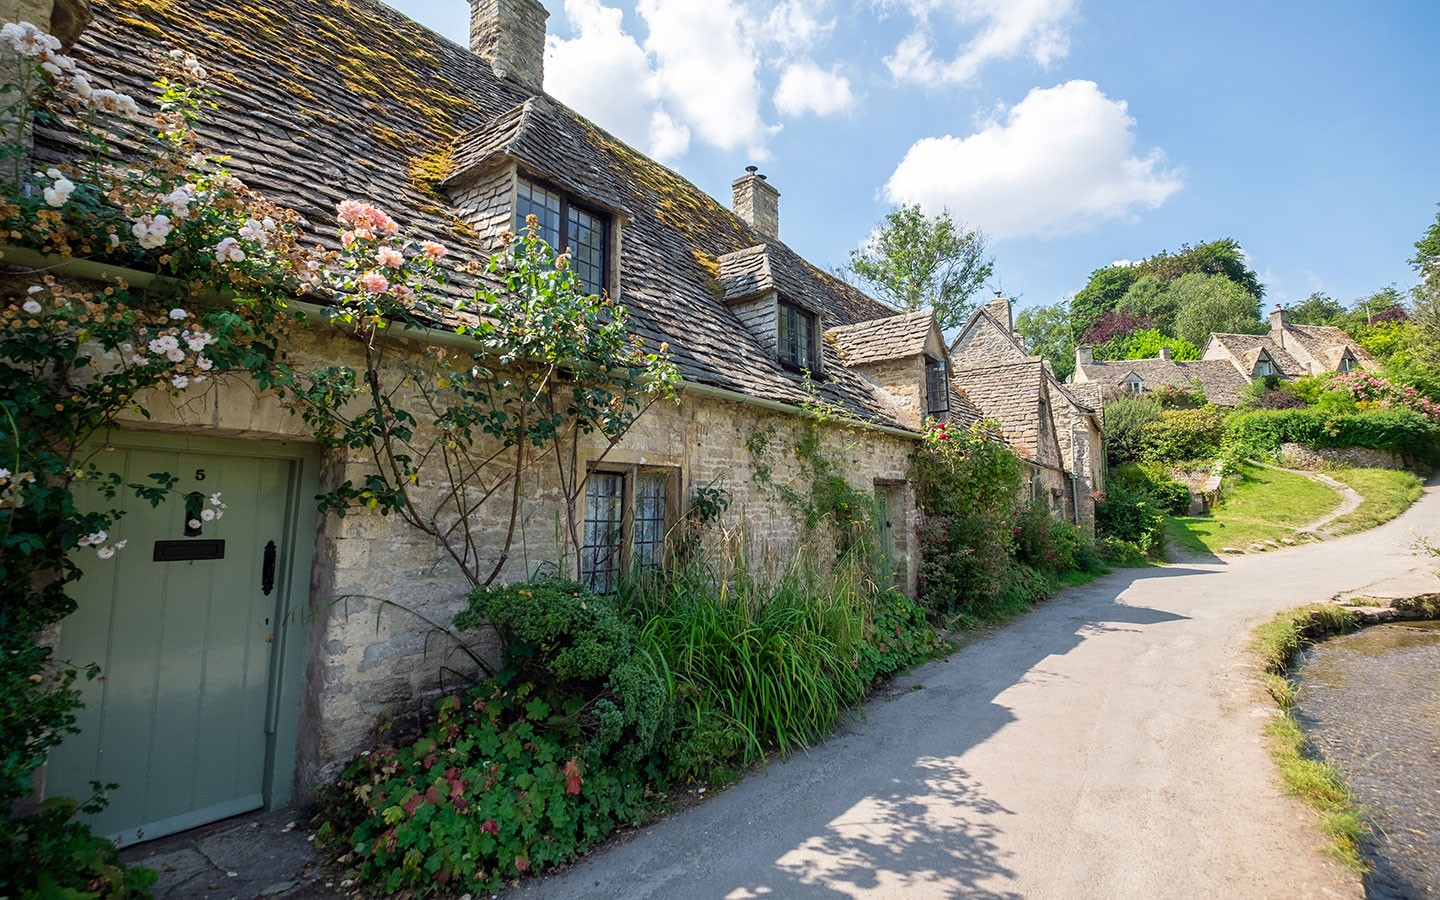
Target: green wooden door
180	715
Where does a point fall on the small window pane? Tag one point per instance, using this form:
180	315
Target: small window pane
587	249
795	333
544	205
600	556
937	388
650	520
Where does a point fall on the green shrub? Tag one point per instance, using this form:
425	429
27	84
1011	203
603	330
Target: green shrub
573	645
503	783
49	854
1125	421
1132	512
967	486
1179	435
1051	546
1402	431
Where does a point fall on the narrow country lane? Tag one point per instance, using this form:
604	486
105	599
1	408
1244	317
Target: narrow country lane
1109	745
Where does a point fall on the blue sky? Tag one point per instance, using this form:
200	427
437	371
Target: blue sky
1074	132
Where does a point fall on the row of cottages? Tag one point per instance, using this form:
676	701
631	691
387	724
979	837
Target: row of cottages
232	680
1231	361
1057	429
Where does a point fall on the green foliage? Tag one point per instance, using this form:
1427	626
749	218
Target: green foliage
1170	396
1214	303
49	854
501	784
914	260
1049	546
1125	421
1101	294
1132	511
1047	333
1183	434
1148	299
1222	258
1147	343
573	645
1403	431
1316	309
967	486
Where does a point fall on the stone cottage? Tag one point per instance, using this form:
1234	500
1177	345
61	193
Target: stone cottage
253	669
1289	350
1057	430
1218	379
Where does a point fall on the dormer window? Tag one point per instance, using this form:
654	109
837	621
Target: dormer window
796	330
1347	362
567	226
1265	368
1132	385
937	387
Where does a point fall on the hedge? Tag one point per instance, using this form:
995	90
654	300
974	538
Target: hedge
1400	431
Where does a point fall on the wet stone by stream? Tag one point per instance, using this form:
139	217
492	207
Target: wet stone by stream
1370	701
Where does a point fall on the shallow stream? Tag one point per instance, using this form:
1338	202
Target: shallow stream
1370	701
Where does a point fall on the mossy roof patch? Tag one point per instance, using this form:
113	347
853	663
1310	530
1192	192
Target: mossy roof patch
323	101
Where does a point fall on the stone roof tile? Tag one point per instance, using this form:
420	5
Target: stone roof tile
880	340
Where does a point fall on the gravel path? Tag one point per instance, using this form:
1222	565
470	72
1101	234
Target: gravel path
1108	745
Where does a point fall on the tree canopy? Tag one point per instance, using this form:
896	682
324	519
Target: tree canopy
1211	303
1046	330
914	260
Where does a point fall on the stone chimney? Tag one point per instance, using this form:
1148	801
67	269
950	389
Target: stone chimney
1165	353
757	202
999	309
510	34
1278	320
1084	355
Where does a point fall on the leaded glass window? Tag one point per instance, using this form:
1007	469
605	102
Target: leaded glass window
795	331
585	234
649	520
604	527
937	388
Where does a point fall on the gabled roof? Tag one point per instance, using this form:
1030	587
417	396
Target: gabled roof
1009	392
325	100
1218	378
981	315
1326	343
881	340
1239	346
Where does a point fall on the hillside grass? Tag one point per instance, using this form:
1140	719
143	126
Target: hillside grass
1259	504
1387	494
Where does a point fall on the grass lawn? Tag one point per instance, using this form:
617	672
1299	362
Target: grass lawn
1259	504
1387	494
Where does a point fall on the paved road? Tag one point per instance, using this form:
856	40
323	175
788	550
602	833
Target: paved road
1107	746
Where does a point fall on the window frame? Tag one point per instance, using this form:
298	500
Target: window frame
940	410
567	203
782	308
626	550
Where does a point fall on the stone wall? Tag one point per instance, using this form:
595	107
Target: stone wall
1298	456
758	314
984	344
903	380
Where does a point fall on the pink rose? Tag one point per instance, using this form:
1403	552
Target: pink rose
374	282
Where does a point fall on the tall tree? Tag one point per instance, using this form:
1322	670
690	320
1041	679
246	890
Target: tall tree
1046	330
1425	322
1427	254
1222	257
1214	303
1317	309
1148	299
914	260
1101	294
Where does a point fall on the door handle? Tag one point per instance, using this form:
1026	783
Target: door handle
267	569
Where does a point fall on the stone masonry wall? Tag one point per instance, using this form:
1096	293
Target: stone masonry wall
1298	456
360	669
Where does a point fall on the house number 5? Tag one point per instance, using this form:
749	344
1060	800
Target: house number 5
199	474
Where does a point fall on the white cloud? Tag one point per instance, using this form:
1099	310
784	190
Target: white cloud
1061	159
1003	29
805	87
701	72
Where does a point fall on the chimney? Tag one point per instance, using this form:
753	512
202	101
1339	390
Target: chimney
1084	355
1278	320
999	309
510	34
1165	353
757	202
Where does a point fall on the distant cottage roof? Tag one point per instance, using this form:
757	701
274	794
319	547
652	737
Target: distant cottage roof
881	340
1246	346
324	101
1326	343
1218	378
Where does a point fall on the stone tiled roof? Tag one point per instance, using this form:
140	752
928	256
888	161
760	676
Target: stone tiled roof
323	101
879	340
1239	346
1010	393
1218	378
962	410
1327	343
746	273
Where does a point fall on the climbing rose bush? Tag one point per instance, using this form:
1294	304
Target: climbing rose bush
1373	392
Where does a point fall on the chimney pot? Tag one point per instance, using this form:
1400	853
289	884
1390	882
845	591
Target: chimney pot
1164	352
1084	355
510	34
757	202
999	309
